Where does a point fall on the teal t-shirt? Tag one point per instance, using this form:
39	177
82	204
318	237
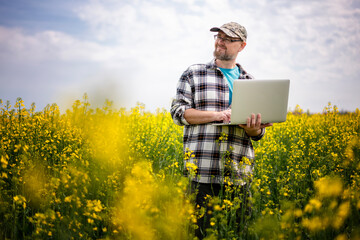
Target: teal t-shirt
231	75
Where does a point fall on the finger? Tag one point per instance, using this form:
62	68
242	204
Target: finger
253	120
228	113
258	117
224	117
258	120
227	118
248	121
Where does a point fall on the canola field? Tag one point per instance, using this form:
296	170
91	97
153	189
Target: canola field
109	173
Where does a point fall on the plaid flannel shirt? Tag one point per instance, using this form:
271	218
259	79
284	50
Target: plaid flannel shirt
217	151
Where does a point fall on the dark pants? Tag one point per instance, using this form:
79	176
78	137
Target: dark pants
204	189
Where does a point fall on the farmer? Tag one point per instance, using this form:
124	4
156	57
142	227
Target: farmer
203	96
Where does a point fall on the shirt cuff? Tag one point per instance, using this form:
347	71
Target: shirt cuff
183	120
258	137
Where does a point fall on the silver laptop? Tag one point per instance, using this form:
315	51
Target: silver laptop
268	97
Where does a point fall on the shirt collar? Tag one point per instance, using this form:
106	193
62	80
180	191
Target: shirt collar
243	73
213	65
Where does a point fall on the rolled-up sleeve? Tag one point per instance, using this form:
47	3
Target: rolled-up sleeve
182	101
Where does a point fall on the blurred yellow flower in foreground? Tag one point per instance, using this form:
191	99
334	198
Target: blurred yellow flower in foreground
152	208
329	187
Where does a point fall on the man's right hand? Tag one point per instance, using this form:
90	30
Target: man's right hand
194	116
224	116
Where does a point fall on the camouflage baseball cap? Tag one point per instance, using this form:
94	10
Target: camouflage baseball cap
232	29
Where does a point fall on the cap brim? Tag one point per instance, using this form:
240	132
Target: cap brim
224	30
215	29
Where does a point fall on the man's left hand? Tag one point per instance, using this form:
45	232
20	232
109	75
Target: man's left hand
253	125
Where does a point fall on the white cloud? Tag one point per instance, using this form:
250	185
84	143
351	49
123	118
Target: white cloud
49	45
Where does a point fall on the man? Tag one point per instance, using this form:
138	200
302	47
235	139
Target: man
203	97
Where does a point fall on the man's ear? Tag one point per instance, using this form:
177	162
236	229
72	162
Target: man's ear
243	44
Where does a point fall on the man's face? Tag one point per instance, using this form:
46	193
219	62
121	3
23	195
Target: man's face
226	50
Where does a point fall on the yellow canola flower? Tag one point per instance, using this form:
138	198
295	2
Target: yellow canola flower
227	202
20	200
313	204
298	213
342	214
4	162
98	207
67	199
329	187
150	207
94	205
191	166
217	208
314	224
341	237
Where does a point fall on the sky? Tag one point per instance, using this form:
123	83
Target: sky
134	51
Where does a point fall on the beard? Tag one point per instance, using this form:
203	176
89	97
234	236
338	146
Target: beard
223	56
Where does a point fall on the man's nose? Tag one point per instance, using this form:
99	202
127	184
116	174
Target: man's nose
221	40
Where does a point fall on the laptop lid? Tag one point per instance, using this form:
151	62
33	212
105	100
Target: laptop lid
268	97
